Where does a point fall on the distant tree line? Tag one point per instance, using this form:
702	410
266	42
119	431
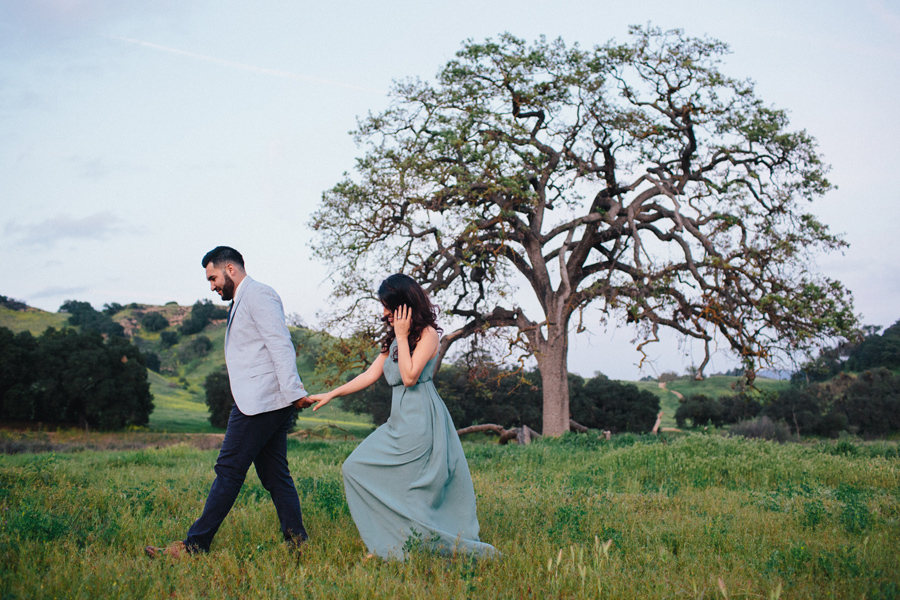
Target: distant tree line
867	404
82	314
852	387
12	303
73	377
490	394
870	352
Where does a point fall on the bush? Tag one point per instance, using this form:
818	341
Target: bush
762	428
112	308
152	360
154	321
601	403
13	304
807	411
699	410
83	315
218	398
168	338
739	407
872	402
196	348
202	313
877	351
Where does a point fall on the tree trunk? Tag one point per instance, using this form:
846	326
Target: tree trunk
551	359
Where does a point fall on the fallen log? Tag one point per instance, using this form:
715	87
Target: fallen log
505	434
575	426
522	435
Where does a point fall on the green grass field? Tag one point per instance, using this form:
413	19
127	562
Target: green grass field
34	320
674	516
692	517
721	385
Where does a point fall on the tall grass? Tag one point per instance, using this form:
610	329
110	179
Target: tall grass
577	517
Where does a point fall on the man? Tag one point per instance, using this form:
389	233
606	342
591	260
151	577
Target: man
262	371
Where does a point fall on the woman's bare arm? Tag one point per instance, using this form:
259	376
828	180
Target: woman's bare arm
360	382
411	364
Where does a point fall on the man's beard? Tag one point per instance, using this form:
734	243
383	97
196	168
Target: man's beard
228	288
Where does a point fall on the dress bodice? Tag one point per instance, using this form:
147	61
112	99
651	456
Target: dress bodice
392	368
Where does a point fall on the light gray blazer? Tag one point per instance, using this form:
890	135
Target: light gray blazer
259	353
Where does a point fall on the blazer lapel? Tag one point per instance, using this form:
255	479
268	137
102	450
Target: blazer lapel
234	306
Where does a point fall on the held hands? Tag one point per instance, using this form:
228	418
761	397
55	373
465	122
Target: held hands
402	321
303	402
319	399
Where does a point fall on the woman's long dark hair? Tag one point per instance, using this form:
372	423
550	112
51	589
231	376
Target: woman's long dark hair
400	289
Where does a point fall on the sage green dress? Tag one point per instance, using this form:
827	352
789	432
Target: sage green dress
408	483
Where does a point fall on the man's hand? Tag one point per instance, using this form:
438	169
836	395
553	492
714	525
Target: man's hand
303	402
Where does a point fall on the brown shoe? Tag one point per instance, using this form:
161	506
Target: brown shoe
175	550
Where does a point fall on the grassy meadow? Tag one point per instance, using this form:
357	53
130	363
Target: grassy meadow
637	517
676	516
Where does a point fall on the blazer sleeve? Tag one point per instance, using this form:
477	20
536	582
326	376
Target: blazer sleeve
268	316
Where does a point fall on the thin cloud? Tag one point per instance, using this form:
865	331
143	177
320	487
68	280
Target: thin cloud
244	67
58	292
48	233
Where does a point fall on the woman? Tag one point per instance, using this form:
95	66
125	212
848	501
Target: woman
408	482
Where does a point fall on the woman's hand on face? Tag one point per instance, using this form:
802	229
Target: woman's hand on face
402	321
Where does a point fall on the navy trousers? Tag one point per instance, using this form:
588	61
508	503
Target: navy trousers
261	440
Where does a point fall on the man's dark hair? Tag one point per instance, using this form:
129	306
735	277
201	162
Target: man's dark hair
221	255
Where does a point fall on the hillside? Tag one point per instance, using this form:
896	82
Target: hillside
34	320
178	392
179	396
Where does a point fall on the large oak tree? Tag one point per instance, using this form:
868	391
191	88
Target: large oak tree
635	177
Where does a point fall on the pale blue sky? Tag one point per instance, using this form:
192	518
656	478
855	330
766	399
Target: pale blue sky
135	136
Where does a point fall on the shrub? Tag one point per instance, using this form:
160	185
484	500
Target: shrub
877	351
700	410
739	407
872	402
197	348
13	304
218	398
154	321
151	359
112	308
202	313
168	338
82	314
762	428
807	411
601	403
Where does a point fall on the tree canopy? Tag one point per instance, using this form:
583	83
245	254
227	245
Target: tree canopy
67	376
634	177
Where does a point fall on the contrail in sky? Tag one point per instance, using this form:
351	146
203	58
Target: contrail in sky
243	67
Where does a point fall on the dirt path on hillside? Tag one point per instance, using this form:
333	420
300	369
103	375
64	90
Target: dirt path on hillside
662	386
